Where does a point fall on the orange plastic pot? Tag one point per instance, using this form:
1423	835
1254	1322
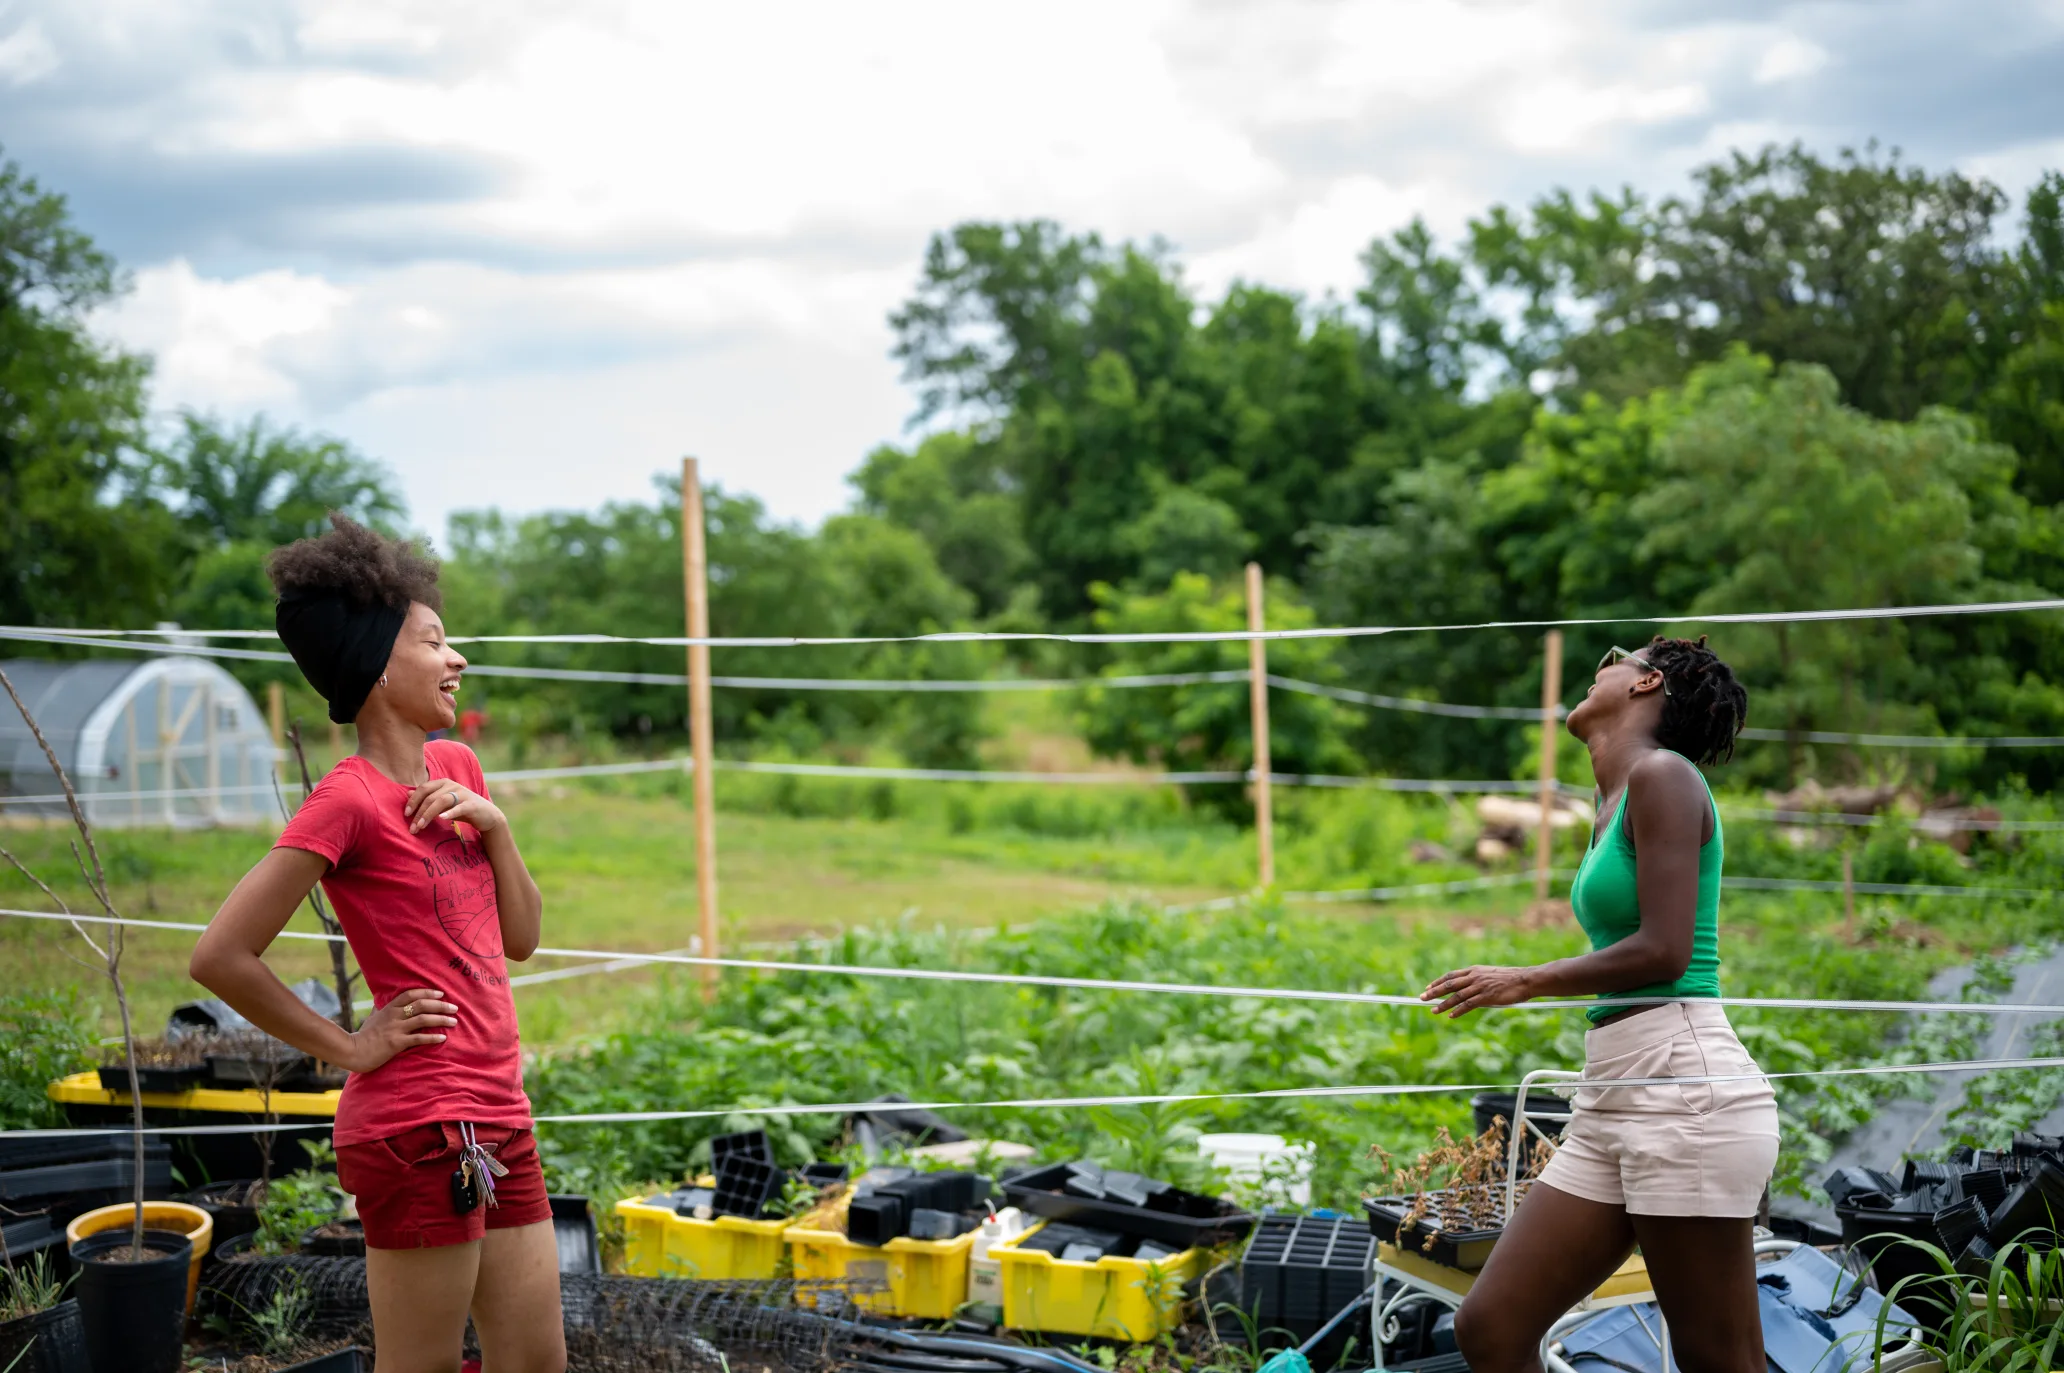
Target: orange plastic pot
176	1216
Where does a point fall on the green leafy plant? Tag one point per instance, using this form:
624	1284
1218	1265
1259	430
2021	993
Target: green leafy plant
299	1202
43	1036
280	1326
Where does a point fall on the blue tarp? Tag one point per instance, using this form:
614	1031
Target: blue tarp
1798	1337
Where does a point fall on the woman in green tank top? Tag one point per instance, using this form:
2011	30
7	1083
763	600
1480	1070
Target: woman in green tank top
1677	1164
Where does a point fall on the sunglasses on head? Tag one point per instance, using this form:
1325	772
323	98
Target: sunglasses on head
1617	654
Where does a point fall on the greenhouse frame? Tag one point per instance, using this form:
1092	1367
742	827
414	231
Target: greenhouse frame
172	740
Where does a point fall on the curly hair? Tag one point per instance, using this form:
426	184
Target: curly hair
1705	707
361	563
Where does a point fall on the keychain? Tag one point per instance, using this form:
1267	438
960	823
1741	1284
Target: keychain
476	1173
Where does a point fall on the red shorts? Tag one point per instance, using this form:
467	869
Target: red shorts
403	1186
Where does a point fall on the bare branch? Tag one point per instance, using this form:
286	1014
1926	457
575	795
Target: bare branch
57	901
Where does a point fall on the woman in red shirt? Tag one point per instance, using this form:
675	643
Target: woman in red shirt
433	1130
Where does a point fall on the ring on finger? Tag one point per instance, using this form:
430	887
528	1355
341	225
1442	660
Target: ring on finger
408	1012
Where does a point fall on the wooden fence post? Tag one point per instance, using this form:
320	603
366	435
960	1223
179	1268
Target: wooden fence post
1257	698
1551	727
701	734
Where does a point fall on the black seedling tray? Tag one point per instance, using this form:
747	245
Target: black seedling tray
744	1186
877	1218
173	1080
752	1144
824	1174
1298	1271
1467	1250
1184	1219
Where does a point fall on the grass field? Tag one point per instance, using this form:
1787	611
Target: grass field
1079	877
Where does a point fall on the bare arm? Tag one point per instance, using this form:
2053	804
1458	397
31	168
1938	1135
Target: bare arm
517	898
229	961
1669	818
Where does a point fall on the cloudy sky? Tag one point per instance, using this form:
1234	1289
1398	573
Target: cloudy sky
529	252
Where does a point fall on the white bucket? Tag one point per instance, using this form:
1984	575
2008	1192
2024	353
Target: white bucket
1263	1168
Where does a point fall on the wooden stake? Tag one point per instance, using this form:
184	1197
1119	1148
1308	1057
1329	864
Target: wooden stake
701	735
1257	697
1551	727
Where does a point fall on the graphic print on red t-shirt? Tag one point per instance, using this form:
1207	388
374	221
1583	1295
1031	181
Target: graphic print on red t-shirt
419	910
462	892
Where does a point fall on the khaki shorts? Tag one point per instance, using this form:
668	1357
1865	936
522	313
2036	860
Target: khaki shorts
1689	1149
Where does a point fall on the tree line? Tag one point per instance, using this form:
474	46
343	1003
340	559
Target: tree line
1802	381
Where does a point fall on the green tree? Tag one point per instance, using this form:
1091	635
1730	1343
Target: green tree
82	542
1885	274
1208	727
259	484
952	490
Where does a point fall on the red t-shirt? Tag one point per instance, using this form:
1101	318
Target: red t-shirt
419	910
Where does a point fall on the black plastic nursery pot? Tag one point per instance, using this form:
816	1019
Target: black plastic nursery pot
134	1312
230	1204
345	1239
52	1341
1550	1113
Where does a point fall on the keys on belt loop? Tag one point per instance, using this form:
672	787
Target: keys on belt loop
476	1173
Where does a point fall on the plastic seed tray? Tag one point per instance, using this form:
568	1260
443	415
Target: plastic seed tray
1172	1215
1466	1249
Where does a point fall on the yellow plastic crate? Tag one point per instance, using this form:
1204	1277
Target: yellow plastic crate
660	1244
1116	1298
925	1279
84	1089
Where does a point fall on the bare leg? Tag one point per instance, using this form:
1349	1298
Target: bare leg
1553	1254
419	1299
1704	1271
516	1303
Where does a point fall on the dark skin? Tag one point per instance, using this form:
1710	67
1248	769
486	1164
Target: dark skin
1558	1248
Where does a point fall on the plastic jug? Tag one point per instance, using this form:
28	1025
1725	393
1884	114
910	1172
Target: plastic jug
985	1274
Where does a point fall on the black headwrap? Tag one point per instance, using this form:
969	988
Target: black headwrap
341	645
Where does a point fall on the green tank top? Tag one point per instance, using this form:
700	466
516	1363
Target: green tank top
1605	898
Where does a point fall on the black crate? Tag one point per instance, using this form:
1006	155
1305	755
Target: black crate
573	1228
1171	1215
95	1167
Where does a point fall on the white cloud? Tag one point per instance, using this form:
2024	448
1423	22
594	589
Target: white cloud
690	222
1789	57
27	55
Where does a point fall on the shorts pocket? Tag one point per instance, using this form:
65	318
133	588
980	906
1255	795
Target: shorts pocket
420	1145
1687	1059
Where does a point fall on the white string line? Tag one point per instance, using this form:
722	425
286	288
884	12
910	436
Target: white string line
1388	1089
1131	985
1162	637
1432	785
1162	679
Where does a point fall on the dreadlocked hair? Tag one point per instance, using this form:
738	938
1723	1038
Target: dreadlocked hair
1705	707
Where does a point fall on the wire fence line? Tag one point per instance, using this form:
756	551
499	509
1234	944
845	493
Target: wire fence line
1893	612
1117	681
1026	979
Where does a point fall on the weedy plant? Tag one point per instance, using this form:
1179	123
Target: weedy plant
1459	1186
2009	1318
29	1287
